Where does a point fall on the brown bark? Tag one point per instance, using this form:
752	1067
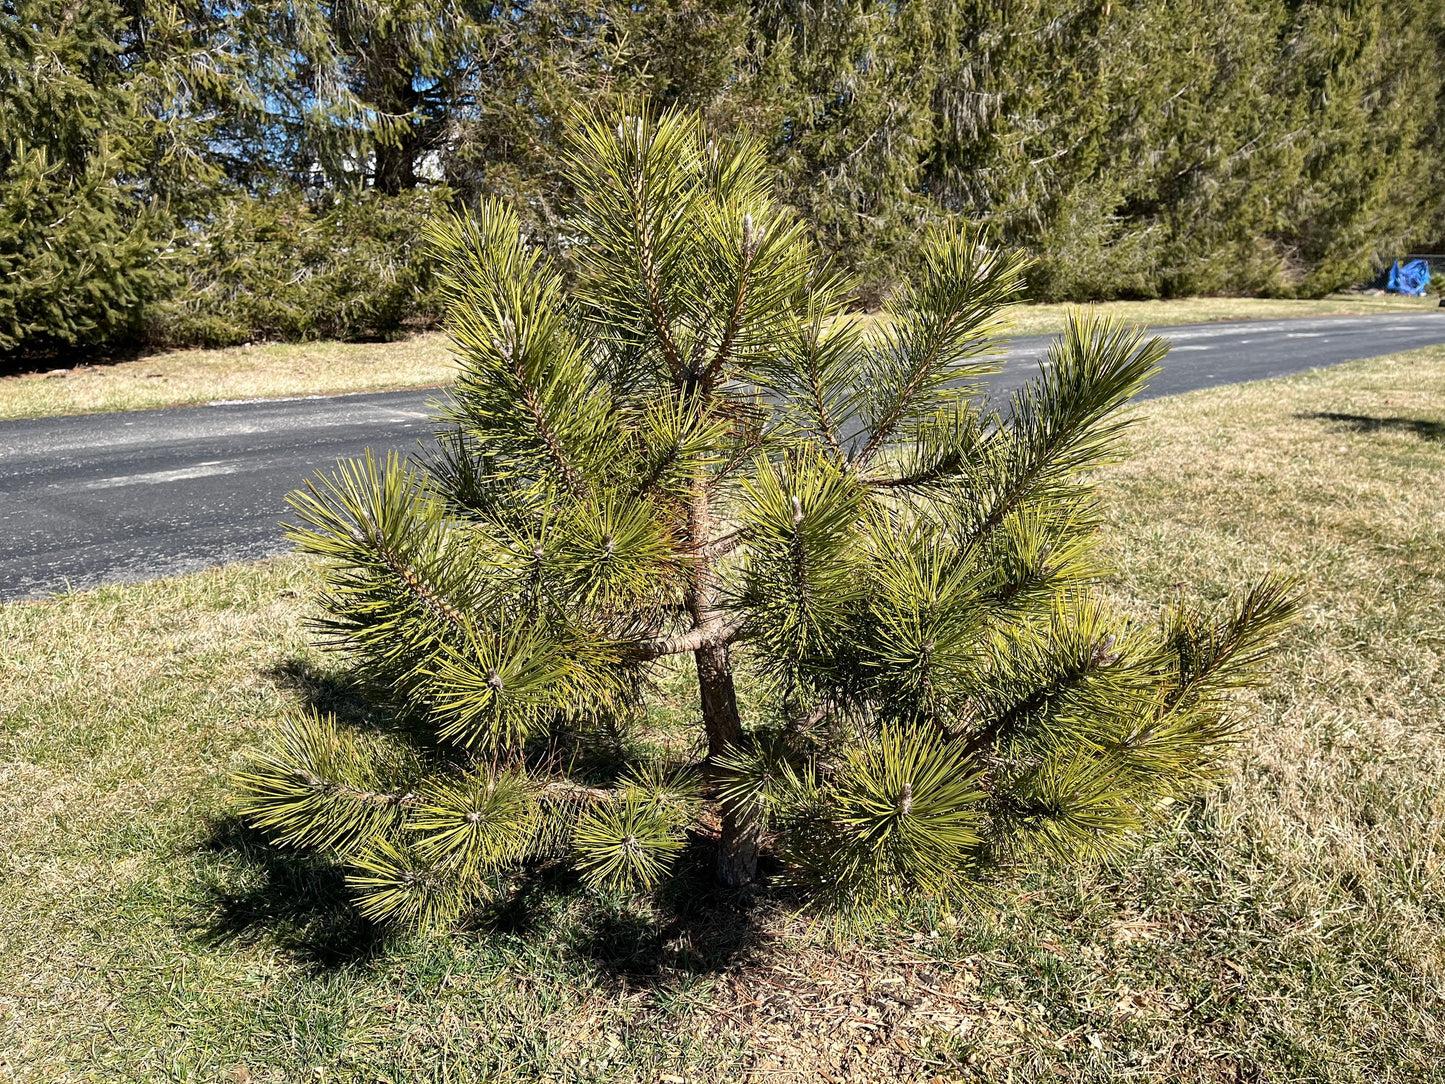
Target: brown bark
720	715
738	849
396	166
682	643
737	856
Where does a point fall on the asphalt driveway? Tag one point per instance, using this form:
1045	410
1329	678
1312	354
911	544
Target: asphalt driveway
100	498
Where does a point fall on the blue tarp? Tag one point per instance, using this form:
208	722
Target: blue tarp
1410	278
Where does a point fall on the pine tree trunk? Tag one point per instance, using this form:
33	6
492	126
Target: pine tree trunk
720	716
737	859
737	855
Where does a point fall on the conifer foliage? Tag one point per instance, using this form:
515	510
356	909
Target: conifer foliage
77	251
693	447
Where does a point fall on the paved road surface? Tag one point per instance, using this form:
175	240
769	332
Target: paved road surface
116	497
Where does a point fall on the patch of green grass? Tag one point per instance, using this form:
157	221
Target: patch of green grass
1288	925
188	377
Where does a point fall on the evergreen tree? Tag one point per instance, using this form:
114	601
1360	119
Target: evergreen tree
78	241
1133	149
107	116
698	451
847	91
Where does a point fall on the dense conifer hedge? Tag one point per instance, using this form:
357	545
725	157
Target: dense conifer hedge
1139	149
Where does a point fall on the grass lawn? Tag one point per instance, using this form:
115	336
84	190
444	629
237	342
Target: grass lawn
1288	926
188	377
1049	319
202	376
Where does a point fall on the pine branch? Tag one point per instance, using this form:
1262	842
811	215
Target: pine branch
647	266
936	332
710	635
659	321
733	322
397	589
430	600
528	395
1082	646
658	471
815	370
1058	425
674	437
540	421
726	544
320	785
1070	807
626	844
820	407
947	452
360	795
1228	651
561	790
744	450
920	371
812	717
1001	726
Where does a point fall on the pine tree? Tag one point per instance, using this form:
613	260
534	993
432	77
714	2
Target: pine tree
697	449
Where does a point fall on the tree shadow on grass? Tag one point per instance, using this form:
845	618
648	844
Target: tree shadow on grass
339	694
695	927
295	899
55	357
691	927
1365	423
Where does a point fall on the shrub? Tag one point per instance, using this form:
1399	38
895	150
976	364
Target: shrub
279	266
697	451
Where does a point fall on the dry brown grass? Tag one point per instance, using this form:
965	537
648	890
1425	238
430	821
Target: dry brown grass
1049	319
186	377
1287	926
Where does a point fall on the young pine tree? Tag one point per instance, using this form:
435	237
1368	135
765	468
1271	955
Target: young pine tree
698	450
